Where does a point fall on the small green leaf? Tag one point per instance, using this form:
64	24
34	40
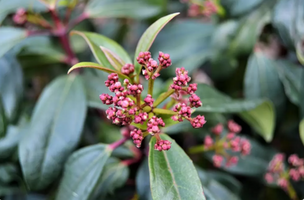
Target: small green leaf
96	66
95	40
143	181
149	36
54	131
10	37
121	8
114	59
172	174
82	171
11	84
301	130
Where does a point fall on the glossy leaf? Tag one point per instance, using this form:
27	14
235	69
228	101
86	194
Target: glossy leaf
82	171
149	36
167	174
143	181
96	66
95	40
9	143
301	130
121	8
11	84
114	175
10	37
113	58
54	131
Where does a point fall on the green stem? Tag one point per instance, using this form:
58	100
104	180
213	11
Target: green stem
150	87
164	111
163	97
197	149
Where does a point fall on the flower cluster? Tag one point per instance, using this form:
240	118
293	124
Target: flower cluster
128	106
206	8
222	144
280	174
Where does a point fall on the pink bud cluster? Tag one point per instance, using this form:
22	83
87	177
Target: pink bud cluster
207	8
20	16
151	67
129	108
279	173
224	144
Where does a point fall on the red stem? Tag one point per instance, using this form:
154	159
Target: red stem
77	20
118	143
136	159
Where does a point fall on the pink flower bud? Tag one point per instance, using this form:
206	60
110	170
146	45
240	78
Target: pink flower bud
162	145
283	183
143	57
217	160
198	121
127	69
137	136
112	78
153	125
135	89
208	142
269	178
20	16
164	60
106	99
149	100
232	161
294	174
195	101
218	129
234	127
192	88
245	147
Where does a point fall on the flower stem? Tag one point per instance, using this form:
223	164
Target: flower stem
118	143
163	97
196	149
150	87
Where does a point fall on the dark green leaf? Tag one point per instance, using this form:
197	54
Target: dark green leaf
172	174
149	36
3	120
9	143
82	171
143	181
54	131
11	84
114	175
8	173
301	130
96	40
10	37
121	8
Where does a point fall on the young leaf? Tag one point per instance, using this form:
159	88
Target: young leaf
54	131
301	130
149	36
172	174
96	66
10	37
95	40
113	58
11	84
82	171
121	8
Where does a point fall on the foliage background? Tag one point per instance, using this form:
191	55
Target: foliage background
250	57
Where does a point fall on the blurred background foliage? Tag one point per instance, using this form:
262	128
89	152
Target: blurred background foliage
247	58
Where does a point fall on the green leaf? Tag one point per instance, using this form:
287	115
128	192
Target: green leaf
149	36
95	40
114	175
290	75
82	171
11	84
54	131
143	181
258	113
10	37
7	7
3	120
261	119
262	80
301	130
9	143
96	66
172	174
240	7
113	58
8	172
120	8
187	48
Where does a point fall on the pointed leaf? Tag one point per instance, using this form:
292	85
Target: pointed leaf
121	8
149	36
95	40
11	84
301	130
172	174
113	58
96	66
10	37
54	131
82	171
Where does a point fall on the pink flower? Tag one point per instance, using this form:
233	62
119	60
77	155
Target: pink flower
112	78
198	121
208	142
137	136
127	69
295	160
162	145
245	147
106	99
181	79
141	118
234	127
183	111
116	87
192	88
195	101
164	59
135	89
232	161
294	174
143	57
151	65
153	125
149	100
269	178
230	136
217	160
235	144
218	129
283	183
